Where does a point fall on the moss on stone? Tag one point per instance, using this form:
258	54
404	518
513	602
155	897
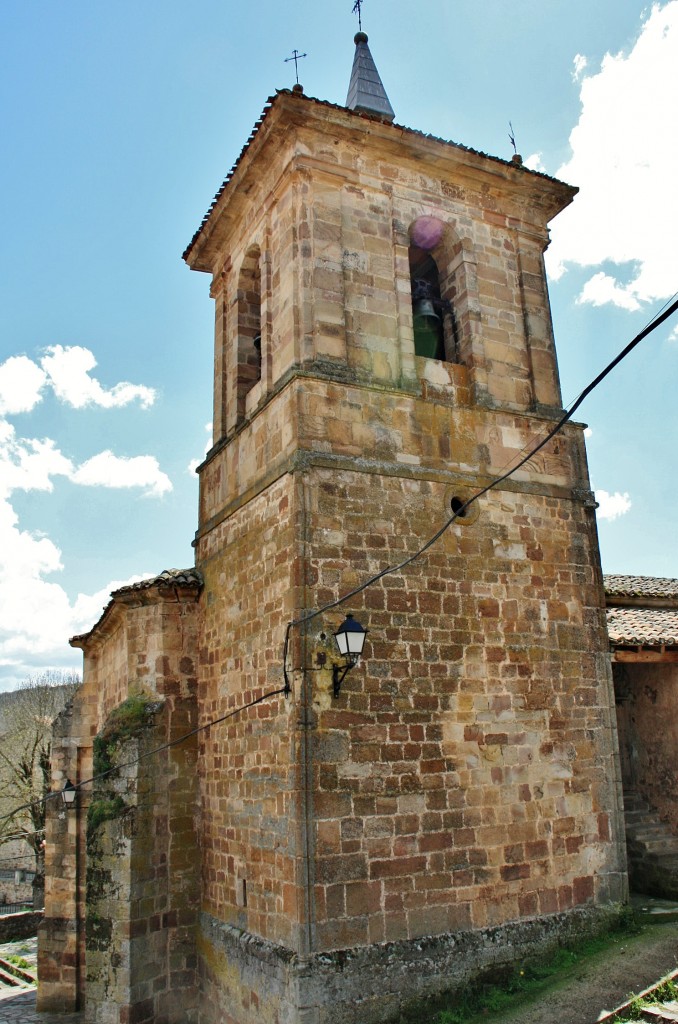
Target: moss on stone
98	932
103	810
125	722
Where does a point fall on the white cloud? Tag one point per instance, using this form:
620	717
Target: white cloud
534	163
194	463
588	432
87	608
21	384
23	554
36	615
28	464
580	64
611	506
109	470
68	370
673	336
624	156
601	289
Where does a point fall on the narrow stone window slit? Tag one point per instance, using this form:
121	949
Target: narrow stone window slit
241	892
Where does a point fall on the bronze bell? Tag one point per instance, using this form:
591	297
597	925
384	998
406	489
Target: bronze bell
425	315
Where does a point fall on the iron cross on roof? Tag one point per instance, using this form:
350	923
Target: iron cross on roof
358	9
296	57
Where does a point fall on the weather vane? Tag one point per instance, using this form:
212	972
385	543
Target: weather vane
512	137
296	57
358	7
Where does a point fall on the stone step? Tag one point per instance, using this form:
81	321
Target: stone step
665	844
649	836
632	802
10	980
17	975
653	1011
640	825
665	861
652	850
660	1014
645	840
653	824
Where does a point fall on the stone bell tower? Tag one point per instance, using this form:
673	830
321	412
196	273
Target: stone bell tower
384	349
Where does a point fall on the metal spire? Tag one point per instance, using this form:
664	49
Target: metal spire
366	92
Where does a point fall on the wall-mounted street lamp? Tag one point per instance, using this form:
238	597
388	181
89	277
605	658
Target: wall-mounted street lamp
350	639
68	793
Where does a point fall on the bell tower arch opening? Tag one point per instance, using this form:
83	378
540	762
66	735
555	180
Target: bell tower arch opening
440	279
249	327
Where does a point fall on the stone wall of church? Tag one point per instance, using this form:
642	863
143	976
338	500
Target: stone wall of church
61	937
252	851
648	734
465	776
143	648
143	869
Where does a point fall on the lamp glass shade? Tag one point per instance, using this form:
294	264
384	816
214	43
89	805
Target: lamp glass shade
350	638
68	793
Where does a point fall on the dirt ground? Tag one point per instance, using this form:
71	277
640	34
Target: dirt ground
605	981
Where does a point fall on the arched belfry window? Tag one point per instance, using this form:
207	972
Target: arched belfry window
433	291
249	326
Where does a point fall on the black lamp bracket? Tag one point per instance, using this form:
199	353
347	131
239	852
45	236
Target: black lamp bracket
339	673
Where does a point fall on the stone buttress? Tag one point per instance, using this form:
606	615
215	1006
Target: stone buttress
122	864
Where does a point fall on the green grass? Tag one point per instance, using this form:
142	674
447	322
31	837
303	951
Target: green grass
18	961
662	994
505	988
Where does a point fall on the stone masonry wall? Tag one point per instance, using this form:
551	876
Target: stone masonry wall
465	776
144	643
61	937
19	926
331	206
648	734
142	874
251	848
253	840
17	870
372	984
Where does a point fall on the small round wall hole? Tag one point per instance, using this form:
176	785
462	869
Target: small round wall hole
460	509
457	506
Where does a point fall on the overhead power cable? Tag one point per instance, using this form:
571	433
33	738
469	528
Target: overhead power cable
149	753
659	319
20	835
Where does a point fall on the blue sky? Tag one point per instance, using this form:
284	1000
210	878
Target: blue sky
120	122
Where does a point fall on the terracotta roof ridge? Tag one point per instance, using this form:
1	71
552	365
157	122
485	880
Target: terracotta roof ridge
619	585
646	627
168	577
165	580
